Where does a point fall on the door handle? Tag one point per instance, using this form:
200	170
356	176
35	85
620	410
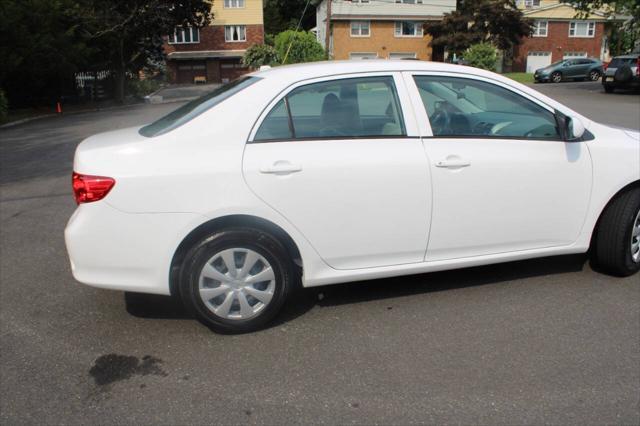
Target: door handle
281	168
453	164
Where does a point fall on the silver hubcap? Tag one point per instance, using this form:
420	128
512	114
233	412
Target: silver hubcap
557	78
594	75
635	239
236	284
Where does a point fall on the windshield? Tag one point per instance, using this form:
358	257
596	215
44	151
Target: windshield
620	62
555	64
196	107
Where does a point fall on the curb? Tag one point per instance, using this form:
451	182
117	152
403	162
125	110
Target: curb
82	111
38	117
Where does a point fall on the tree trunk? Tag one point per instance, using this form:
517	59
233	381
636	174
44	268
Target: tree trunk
120	74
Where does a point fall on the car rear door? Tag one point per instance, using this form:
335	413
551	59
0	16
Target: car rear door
341	159
503	180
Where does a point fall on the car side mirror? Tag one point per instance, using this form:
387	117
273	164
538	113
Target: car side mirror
575	128
571	127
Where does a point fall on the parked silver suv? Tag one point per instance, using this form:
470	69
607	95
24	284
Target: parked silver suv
623	72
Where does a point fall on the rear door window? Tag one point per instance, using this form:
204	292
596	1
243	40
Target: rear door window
346	108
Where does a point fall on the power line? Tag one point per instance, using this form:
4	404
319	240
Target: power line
284	61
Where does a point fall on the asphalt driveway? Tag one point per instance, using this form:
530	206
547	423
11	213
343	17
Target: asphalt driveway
541	341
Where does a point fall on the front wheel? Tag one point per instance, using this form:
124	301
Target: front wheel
236	280
594	75
556	77
617	241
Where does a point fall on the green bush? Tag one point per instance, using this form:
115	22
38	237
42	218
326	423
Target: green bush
260	54
304	47
142	88
482	55
269	40
4	106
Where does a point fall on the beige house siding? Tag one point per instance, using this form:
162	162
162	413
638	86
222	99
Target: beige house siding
250	14
543	3
381	41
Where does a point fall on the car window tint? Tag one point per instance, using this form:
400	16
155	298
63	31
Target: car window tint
190	110
276	124
354	107
460	107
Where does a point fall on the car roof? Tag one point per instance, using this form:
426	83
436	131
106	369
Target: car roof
630	56
310	70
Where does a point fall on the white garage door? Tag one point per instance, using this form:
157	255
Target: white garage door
537	60
571	55
363	55
402	55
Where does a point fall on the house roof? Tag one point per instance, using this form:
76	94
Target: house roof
562	12
205	54
389	10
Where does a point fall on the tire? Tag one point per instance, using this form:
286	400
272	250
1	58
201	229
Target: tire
608	89
623	74
594	75
233	305
614	240
556	77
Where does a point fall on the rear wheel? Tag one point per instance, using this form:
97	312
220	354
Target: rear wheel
556	77
617	240
236	280
608	89
594	75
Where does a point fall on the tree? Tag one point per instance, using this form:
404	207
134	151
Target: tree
482	55
42	47
298	46
129	34
282	15
260	54
498	22
625	35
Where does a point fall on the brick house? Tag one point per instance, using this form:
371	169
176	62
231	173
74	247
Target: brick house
559	34
385	29
213	53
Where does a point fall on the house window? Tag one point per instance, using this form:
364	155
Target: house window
233	4
360	29
234	33
531	3
408	29
540	28
185	35
582	29
360	1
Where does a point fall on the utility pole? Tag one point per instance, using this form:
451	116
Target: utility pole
327	36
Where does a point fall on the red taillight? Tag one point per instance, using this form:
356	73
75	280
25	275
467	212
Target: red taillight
638	66
605	65
87	189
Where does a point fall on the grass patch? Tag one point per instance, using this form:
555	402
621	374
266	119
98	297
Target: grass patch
520	77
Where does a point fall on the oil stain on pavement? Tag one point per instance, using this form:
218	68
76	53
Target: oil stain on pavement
112	368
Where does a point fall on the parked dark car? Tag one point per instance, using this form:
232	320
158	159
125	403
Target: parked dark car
623	72
570	69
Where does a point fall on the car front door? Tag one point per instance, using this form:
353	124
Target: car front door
503	180
342	162
570	68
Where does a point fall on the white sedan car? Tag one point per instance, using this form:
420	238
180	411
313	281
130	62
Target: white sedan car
329	172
